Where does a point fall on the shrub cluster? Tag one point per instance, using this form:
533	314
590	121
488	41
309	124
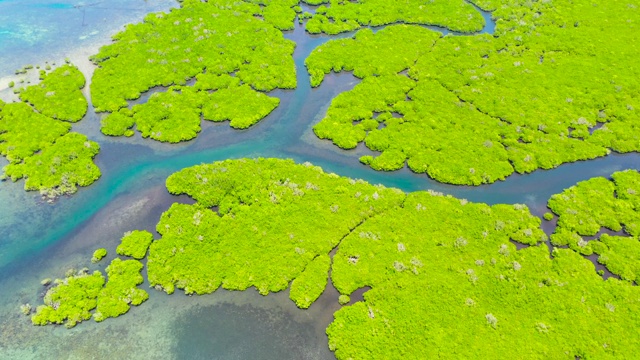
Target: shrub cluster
548	88
37	141
201	250
58	95
236	49
70	301
59	168
73	299
135	244
310	284
443	272
120	291
597	204
341	16
98	255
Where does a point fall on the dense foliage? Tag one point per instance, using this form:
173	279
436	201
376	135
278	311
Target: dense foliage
523	305
361	54
23	132
241	105
175	115
201	250
205	40
308	287
341	16
118	123
554	85
171	116
439	263
58	95
98	255
442	272
135	244
59	168
120	292
72	300
40	148
592	206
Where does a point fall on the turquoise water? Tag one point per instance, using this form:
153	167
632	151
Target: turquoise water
34	31
39	240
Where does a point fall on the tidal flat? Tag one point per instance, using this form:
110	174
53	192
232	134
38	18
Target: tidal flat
42	240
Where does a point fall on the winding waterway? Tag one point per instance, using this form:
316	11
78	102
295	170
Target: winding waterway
40	240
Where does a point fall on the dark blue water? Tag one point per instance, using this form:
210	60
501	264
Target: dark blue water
39	240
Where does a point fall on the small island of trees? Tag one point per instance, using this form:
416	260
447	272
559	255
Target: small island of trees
35	135
234	52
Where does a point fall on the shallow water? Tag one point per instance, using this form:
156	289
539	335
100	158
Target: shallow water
40	240
35	31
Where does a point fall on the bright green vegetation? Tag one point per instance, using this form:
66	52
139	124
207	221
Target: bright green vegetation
70	301
40	148
435	262
174	116
135	244
361	54
58	95
118	123
201	250
308	287
23	132
344	299
59	168
98	255
73	299
555	85
236	48
430	259
341	16
304	16
242	105
279	13
371	95
597	204
449	267
120	292
467	149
